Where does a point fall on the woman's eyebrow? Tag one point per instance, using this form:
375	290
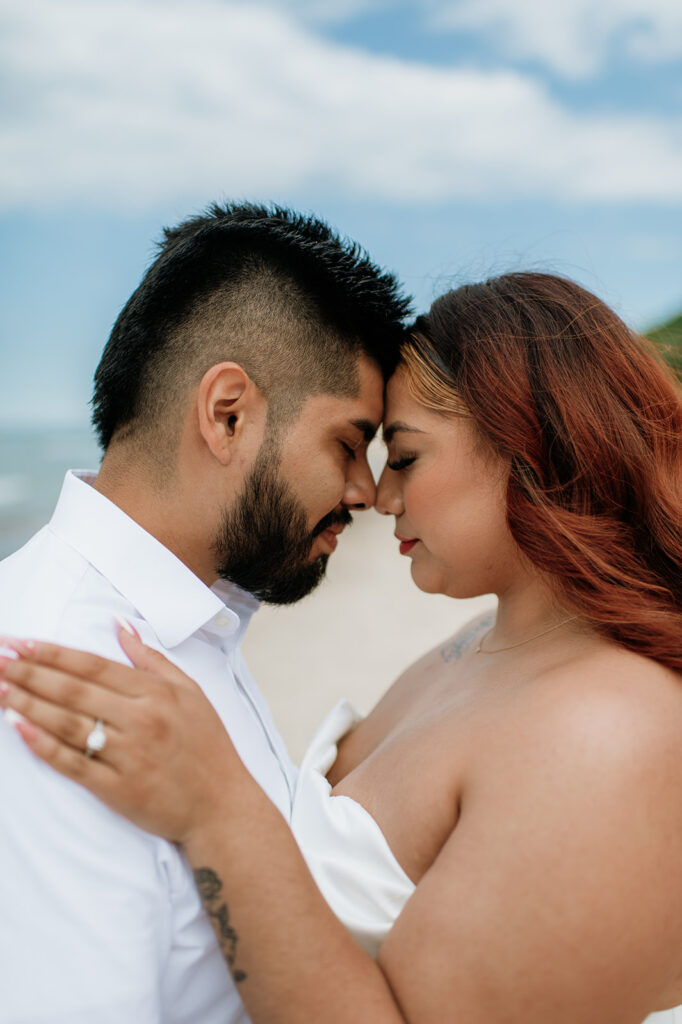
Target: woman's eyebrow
399	427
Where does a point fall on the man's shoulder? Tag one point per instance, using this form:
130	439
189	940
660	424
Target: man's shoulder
37	579
50	591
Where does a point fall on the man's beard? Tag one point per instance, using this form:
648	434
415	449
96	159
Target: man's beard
264	543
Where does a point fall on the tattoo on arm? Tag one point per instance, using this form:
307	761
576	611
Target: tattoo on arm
456	647
210	889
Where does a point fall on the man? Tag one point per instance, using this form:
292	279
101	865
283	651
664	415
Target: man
234	401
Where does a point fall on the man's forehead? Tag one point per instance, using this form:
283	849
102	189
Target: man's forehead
365	411
362	412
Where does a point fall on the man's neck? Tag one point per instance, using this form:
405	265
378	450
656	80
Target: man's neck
157	508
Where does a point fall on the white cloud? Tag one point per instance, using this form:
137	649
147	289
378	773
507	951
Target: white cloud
331	11
126	103
573	37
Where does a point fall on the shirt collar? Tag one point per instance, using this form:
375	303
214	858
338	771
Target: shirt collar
243	604
165	592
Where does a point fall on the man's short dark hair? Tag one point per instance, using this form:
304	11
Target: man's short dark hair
278	292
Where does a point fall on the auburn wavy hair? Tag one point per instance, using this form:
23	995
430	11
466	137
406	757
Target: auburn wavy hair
590	420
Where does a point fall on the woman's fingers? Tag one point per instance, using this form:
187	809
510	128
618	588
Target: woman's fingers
69	727
99	777
141	717
67	691
129	791
68	707
111	675
152	767
150	660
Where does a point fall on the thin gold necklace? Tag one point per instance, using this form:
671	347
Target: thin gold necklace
479	649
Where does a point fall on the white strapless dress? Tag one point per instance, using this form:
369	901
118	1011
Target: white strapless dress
347	852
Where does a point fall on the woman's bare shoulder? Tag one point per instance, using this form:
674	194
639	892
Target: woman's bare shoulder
570	832
612	704
608	672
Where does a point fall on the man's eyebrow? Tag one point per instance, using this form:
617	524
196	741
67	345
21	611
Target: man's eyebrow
399	427
366	428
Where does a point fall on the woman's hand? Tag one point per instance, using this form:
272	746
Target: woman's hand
167	758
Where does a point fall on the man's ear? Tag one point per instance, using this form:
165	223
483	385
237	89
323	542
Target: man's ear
226	401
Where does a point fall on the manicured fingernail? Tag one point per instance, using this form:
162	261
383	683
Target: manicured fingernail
4	689
124	624
28	732
24	647
13	717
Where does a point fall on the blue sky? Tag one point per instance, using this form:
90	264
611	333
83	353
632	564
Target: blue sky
453	138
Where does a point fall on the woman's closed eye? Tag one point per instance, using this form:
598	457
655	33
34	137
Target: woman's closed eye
402	462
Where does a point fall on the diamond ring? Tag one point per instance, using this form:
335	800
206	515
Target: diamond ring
97	740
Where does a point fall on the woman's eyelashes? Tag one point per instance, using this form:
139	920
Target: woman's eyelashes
401	463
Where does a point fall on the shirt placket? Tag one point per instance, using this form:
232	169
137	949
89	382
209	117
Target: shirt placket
223	628
251	704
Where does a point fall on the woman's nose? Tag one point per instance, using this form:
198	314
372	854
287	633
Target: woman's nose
388	498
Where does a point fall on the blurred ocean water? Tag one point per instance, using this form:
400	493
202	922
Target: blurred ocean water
32	468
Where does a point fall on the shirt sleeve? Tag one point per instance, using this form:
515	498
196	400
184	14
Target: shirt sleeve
84	911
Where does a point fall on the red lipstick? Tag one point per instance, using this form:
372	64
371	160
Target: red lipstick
406	545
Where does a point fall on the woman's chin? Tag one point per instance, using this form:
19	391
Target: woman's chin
430	581
435	580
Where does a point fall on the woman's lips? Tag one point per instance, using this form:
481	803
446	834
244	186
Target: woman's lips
406	545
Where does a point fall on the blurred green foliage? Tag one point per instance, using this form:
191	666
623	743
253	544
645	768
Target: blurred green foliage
668	337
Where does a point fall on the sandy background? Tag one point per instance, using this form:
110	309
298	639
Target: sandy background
354	635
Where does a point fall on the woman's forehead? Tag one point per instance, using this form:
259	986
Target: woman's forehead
397	391
400	404
399	422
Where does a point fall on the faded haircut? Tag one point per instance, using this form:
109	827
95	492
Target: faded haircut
278	292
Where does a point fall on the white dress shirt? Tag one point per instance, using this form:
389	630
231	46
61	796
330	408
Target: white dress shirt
100	921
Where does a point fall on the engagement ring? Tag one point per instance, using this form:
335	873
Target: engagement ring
97	740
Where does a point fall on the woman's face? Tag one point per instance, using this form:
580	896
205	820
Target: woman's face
447	491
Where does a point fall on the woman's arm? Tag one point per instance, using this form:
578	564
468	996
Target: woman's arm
292	959
557	897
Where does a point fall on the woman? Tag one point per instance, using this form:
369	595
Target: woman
513	805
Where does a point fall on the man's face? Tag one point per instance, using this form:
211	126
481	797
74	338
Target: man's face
276	538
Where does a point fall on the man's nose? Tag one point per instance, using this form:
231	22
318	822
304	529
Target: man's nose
388	499
360	491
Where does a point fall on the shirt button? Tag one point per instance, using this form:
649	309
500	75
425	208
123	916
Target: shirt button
222	620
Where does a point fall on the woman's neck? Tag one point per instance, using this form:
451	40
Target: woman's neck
528	609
